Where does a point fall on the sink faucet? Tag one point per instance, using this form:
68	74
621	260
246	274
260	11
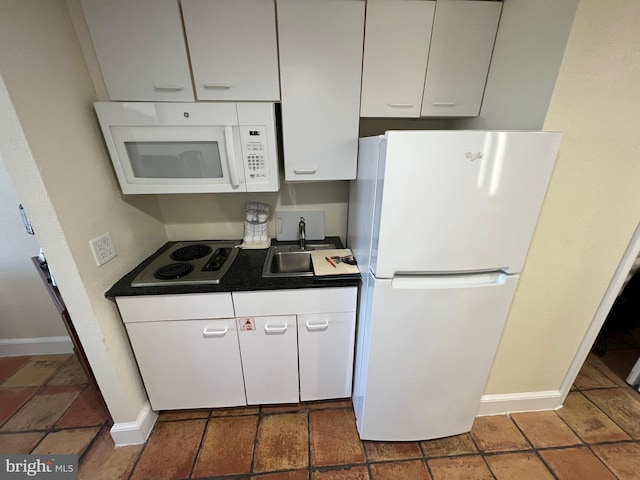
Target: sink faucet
302	234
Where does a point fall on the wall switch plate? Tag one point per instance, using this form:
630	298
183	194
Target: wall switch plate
287	224
103	249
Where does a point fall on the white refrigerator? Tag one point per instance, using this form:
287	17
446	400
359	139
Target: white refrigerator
440	223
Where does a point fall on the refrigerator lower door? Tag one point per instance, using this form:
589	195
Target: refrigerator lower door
425	351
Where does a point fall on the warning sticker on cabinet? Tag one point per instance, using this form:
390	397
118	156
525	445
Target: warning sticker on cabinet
246	324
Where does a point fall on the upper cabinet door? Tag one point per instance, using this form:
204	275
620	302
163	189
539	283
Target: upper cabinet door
320	46
233	49
141	50
461	47
396	48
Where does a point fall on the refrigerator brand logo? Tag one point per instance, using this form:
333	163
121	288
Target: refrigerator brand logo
474	156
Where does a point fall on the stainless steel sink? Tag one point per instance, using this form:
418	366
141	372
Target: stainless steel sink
290	261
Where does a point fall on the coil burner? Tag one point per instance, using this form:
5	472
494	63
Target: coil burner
184	263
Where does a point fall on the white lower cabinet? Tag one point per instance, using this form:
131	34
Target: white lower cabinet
325	346
189	363
269	359
283	346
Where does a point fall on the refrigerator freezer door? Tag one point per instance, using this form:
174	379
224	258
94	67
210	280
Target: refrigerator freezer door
459	201
426	352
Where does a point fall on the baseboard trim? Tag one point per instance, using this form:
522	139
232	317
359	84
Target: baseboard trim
13	347
134	433
520	402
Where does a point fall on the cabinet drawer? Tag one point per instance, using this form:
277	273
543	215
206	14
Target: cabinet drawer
153	308
292	302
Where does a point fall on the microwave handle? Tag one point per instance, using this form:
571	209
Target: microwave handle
231	156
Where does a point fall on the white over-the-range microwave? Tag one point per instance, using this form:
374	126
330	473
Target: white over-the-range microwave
191	147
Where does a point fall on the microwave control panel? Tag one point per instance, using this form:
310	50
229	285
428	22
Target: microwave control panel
255	152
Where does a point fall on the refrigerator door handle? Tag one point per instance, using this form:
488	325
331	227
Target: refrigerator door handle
447	280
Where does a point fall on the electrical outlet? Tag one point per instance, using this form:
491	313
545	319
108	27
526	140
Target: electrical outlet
103	249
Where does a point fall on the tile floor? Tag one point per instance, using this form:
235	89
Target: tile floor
46	406
620	349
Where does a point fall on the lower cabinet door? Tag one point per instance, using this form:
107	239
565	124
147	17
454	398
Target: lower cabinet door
189	363
269	358
326	344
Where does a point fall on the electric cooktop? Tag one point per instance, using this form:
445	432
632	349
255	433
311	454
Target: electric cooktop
184	263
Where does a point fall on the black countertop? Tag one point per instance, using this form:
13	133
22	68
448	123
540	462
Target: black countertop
245	274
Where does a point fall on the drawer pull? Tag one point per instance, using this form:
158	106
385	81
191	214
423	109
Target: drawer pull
168	88
275	328
305	171
443	104
317	326
217	86
401	105
210	332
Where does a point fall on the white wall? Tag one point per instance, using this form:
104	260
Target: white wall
592	206
56	158
26	310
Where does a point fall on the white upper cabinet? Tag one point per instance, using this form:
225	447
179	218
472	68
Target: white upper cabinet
233	49
140	48
320	47
427	58
462	42
396	48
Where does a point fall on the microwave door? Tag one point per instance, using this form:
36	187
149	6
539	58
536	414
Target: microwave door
174	160
154	159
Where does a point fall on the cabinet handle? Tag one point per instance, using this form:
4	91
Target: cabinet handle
443	104
168	88
275	329
401	105
305	171
210	332
317	326
217	86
